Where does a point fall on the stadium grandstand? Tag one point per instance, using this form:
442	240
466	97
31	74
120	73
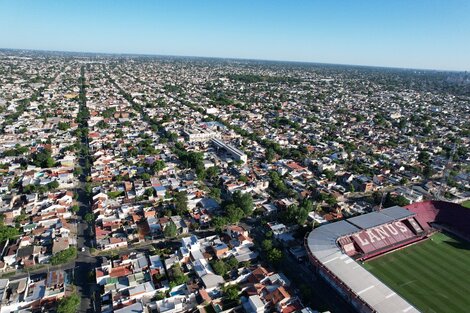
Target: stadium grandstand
451	217
335	248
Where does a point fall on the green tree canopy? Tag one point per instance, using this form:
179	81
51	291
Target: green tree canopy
89	217
219	267
234	213
7	232
181	202
170	230
212	172
69	304
158	165
219	222
274	256
64	256
231	292
243	201
43	159
176	275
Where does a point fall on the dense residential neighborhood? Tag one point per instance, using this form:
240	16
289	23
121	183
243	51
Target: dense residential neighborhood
164	184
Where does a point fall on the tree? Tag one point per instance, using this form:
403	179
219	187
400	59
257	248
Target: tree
212	172
75	208
160	295
428	171
102	124
219	267
219	222
170	230
88	188
270	154
232	262
63	126
158	165
43	159
277	183
297	214
176	275
181	202
234	214
200	172
395	200
400	201
376	197
424	157
77	171
329	174
69	304
215	193
402	124
89	217
149	192
20	218
7	232
231	292
306	206
53	185
274	256
267	245
244	202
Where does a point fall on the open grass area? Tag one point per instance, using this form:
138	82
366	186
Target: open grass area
433	275
466	204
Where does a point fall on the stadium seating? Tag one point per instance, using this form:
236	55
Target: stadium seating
454	216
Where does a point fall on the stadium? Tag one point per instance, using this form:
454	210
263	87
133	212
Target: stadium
399	259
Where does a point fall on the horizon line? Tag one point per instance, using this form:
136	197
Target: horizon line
235	58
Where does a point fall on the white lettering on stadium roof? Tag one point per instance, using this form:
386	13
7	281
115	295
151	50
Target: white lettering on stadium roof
379	233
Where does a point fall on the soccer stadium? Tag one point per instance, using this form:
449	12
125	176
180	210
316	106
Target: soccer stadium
399	259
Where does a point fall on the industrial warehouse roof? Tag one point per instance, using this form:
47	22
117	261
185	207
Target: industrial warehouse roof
379	218
322	245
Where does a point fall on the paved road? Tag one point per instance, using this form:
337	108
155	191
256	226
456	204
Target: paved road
85	263
323	296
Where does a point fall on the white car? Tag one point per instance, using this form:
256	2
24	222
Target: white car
83	249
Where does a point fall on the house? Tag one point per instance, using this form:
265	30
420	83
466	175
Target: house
254	304
180	224
220	249
114	243
277	229
160	191
206	274
133	308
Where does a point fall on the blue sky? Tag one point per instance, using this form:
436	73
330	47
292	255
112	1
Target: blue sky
431	34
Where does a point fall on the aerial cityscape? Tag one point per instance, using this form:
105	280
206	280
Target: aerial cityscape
146	182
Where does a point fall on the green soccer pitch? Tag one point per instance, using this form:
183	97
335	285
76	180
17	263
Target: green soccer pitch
466	204
433	275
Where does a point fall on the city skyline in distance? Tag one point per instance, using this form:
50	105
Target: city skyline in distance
418	35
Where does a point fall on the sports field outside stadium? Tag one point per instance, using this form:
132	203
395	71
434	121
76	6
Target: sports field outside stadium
433	275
